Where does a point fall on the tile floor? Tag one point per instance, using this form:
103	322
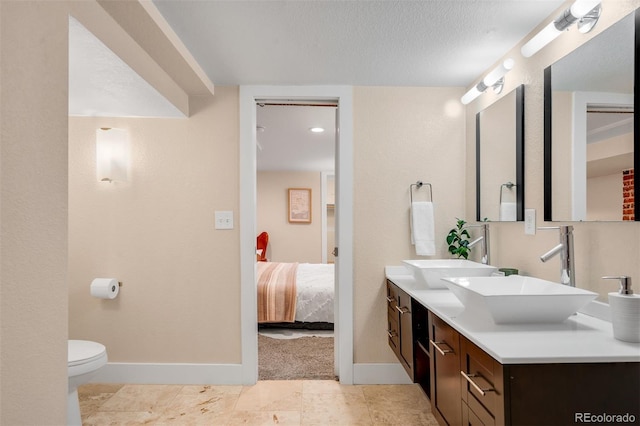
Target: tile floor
293	402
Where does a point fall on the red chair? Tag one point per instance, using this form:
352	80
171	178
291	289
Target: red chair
261	246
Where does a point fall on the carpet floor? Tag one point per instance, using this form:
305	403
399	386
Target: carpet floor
309	358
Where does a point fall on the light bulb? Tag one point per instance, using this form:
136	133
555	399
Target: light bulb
540	40
498	72
470	95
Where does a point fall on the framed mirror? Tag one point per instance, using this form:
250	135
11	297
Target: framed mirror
591	136
500	159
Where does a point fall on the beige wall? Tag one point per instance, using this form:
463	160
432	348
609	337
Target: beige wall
401	135
604	192
561	153
156	234
33	213
598	245
289	242
604	197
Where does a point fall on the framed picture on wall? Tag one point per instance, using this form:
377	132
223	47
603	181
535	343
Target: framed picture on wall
299	205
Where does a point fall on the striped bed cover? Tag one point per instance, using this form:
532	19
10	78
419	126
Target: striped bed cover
276	292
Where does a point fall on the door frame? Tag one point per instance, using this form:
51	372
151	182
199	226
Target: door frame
343	316
324	176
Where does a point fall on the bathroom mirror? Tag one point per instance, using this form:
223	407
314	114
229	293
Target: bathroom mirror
500	159
591	136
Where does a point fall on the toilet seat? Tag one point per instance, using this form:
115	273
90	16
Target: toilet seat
85	356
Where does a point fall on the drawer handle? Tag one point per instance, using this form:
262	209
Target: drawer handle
439	349
402	310
483	392
391	333
389	299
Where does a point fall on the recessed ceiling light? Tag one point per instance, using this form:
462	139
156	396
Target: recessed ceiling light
317	129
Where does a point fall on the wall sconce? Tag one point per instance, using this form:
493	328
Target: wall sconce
112	154
586	12
494	79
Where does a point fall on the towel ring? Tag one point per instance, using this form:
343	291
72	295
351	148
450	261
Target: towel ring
509	185
418	185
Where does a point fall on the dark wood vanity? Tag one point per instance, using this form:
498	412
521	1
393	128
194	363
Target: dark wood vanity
467	386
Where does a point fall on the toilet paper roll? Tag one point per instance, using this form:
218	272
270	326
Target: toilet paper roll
105	288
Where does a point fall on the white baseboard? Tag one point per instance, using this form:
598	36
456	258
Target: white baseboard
227	374
170	374
380	374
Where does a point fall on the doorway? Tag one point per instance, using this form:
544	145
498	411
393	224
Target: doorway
343	315
295	154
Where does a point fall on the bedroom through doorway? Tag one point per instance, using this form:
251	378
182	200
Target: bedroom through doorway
295	222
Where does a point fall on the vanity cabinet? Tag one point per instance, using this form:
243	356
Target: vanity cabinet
467	386
408	335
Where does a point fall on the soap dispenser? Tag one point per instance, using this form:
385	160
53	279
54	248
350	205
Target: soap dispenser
625	311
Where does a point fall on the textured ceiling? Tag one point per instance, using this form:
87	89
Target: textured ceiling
379	43
286	143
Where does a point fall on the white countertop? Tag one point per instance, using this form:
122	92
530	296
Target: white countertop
580	339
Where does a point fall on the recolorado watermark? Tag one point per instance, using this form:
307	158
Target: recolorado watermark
604	418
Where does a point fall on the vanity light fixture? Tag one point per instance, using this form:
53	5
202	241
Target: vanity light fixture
586	12
494	79
112	154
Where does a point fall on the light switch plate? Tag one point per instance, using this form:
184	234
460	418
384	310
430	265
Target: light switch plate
530	221
224	220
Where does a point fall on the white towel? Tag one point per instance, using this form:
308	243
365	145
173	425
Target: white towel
508	212
422	228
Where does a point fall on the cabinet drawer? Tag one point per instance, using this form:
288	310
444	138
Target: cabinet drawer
482	383
469	418
392	299
392	294
393	334
480	413
444	336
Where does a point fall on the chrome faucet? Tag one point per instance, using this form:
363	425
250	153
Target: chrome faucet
565	248
483	239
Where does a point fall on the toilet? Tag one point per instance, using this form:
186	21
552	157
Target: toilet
85	358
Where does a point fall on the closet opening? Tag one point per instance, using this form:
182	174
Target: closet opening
296	143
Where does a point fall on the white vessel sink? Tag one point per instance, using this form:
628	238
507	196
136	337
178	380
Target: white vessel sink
517	299
430	272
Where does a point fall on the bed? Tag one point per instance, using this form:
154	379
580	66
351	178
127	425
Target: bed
295	295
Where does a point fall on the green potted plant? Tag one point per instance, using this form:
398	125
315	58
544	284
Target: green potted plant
458	240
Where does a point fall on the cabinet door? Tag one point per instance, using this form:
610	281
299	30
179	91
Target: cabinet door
570	392
393	330
445	380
